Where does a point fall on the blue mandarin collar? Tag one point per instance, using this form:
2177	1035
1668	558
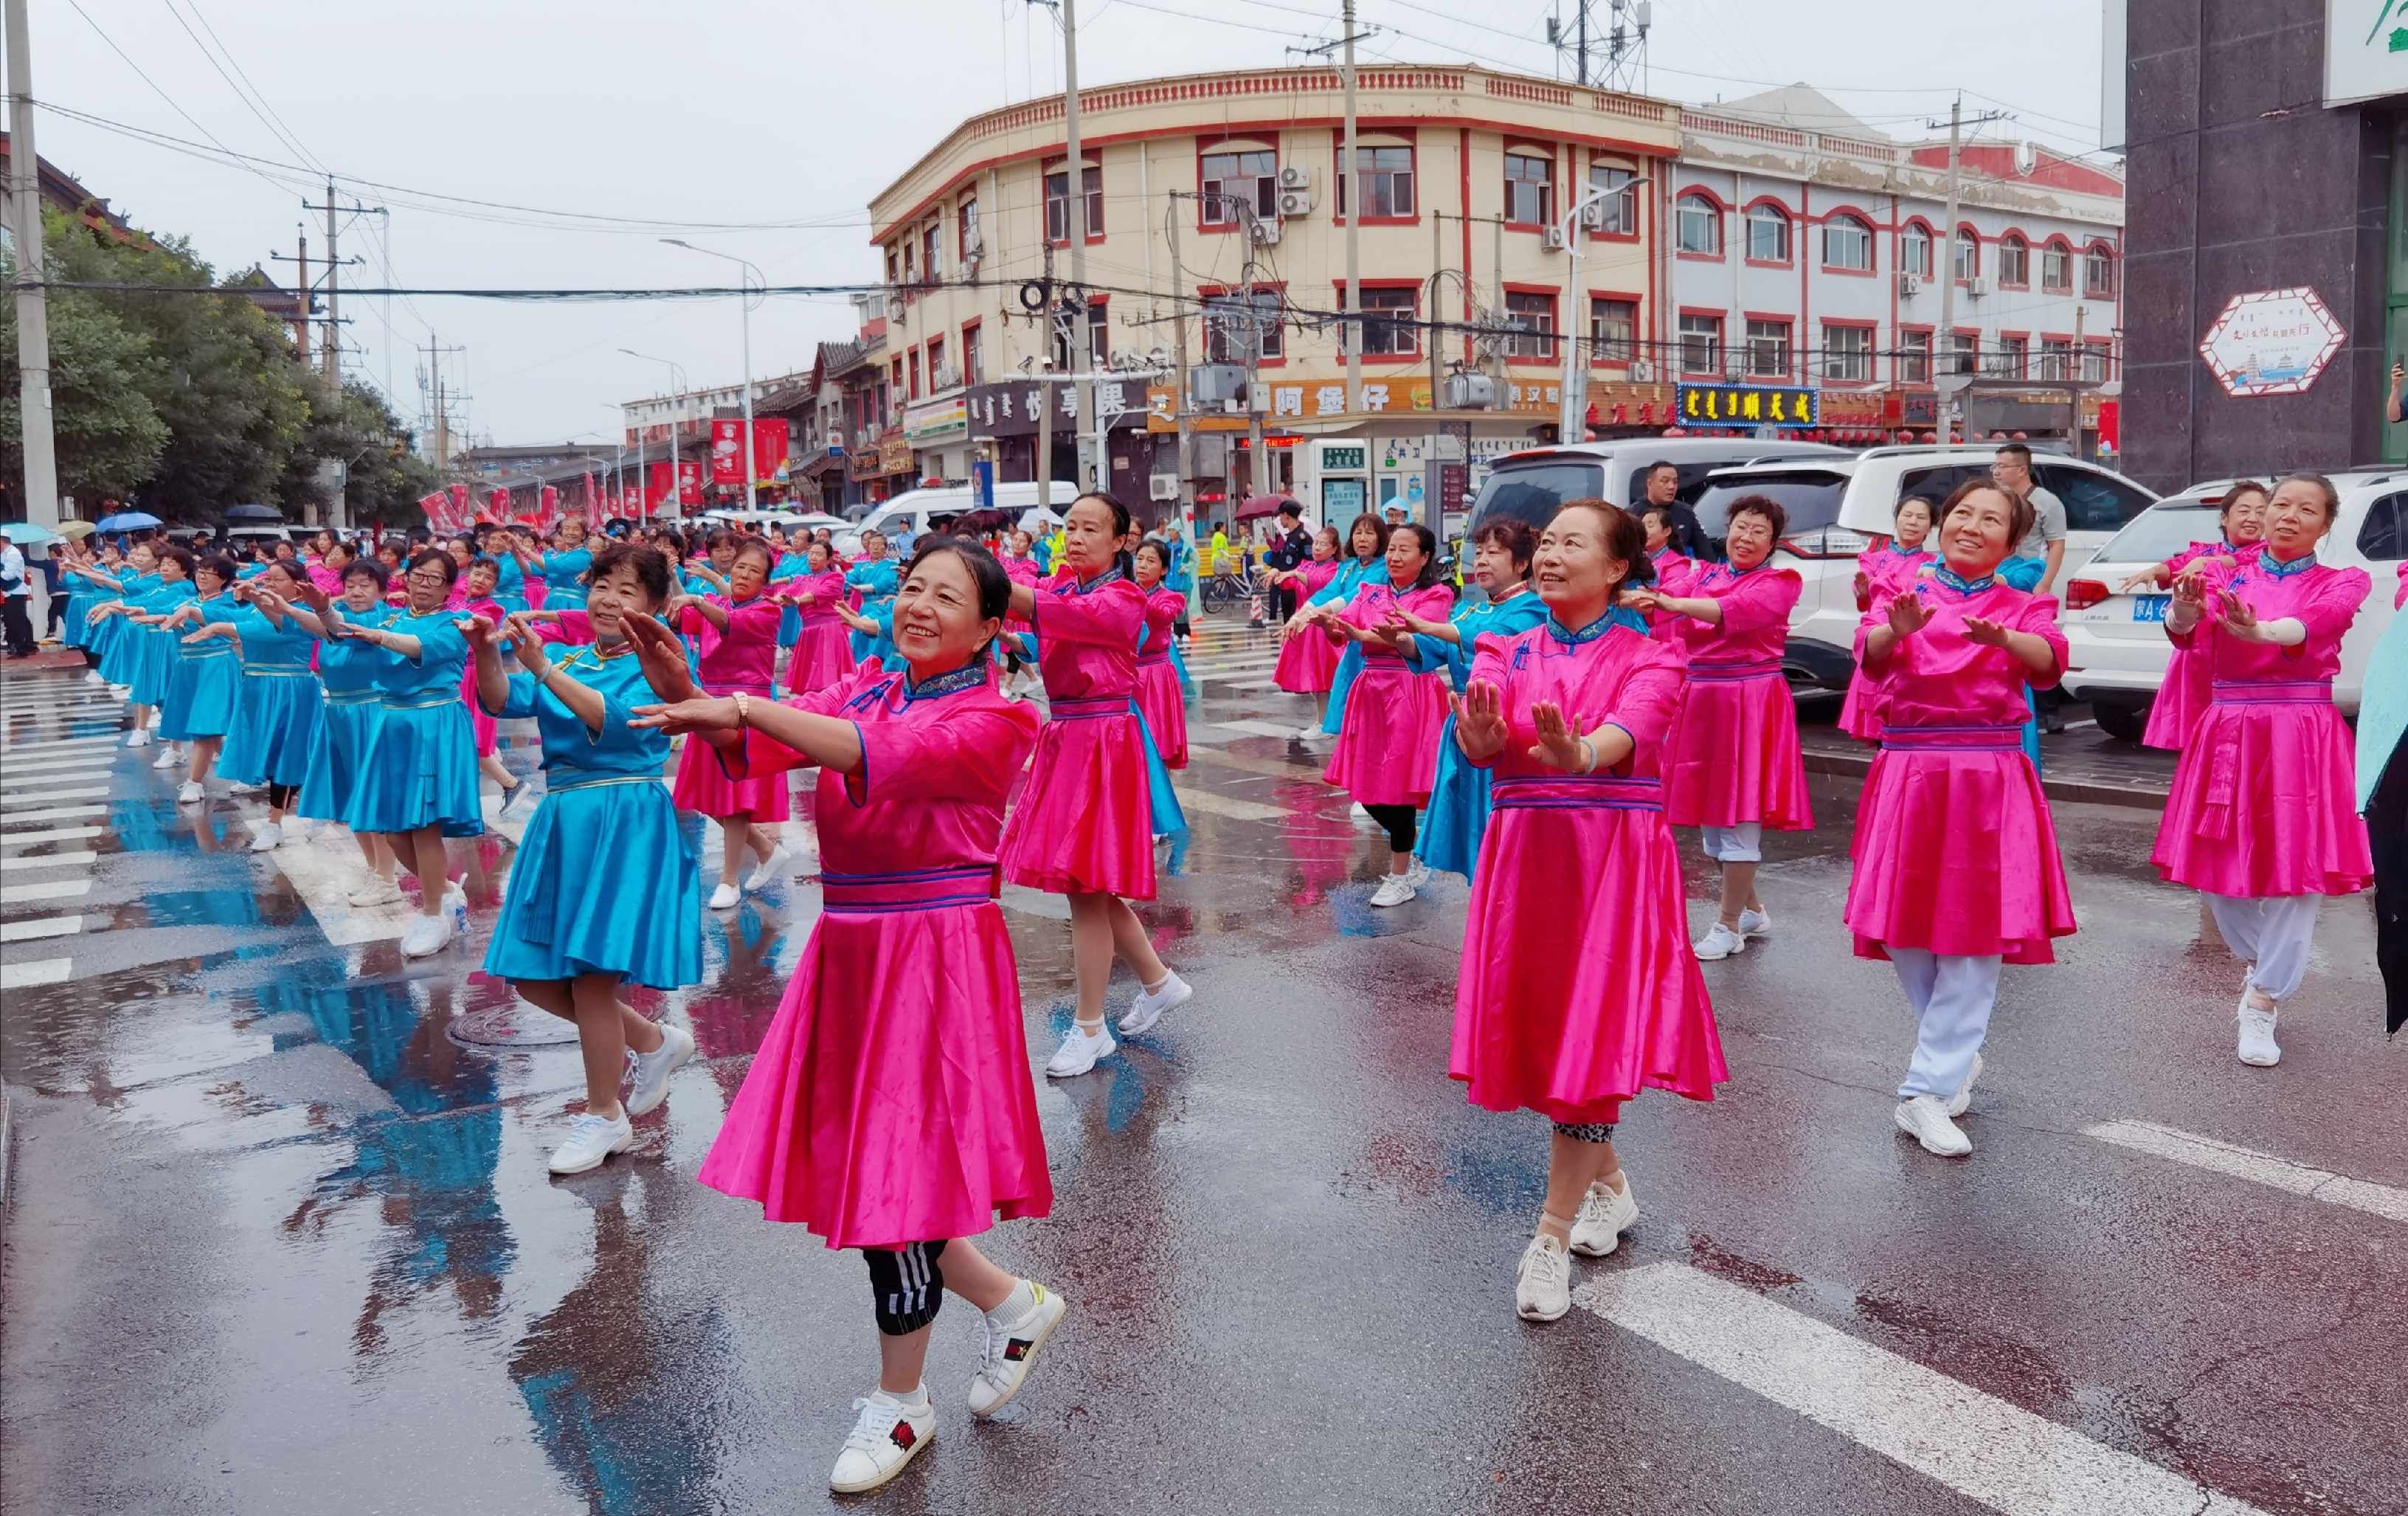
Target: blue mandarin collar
2272	570
970	675
1906	552
1962	585
1078	586
1618	616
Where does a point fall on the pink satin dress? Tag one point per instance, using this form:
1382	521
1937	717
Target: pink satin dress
1733	754
1676	573
484	725
1387	749
1308	663
1955	849
1578	986
891	1100
2184	694
2264	798
1891	572
1159	699
740	657
1085	821
1020	571
822	655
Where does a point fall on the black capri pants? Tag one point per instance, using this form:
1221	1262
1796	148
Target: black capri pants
906	1285
1398	822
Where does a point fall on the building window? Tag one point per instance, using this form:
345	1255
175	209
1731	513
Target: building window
911	274
1915	252
2056	359
1057	203
2007	361
1612	331
894	264
1387	178
1768	234
1848	353
1701	344
1701	226
915	373
1915	357
1768	349
1529	190
1533	319
2098	360
1617	215
932	252
1232	333
2056	267
1848	243
2098	274
1388	329
973	355
2014	262
971	247
1962	349
937	377
1969	253
1231	178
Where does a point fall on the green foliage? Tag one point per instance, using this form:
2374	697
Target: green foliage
109	436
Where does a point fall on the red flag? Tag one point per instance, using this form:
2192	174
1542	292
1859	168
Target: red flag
548	513
768	449
438	510
656	489
459	516
689	482
727	452
592	501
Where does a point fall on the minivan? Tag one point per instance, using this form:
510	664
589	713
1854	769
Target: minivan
923	508
1531	484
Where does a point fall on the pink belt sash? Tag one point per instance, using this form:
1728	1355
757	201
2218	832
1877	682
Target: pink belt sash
1087	708
722	687
1954	738
918	889
1575	791
1729	673
2274	691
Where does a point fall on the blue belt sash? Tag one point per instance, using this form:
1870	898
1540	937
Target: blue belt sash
1087	708
1730	673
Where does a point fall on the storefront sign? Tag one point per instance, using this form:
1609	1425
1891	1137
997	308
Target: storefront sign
994	410
894	454
935	423
2366	50
1856	407
1747	405
2271	342
1293	400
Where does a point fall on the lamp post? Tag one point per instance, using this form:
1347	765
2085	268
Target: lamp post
619	456
677	393
751	273
1571	422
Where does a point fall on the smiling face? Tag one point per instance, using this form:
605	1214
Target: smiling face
2299	514
1090	536
2244	517
610	597
1576	570
1406	557
481	577
938	627
211	583
1750	541
1912	522
1492	567
1977	533
572	533
1325	544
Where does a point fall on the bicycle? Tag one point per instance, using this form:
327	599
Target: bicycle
1222	591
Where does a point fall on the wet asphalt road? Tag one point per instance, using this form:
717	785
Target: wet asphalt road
280	1238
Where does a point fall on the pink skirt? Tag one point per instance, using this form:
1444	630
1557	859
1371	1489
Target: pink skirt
1579	987
891	1101
703	785
2183	695
486	727
1387	751
1165	709
1956	853
1860	713
2262	805
1733	756
822	656
1308	663
1084	822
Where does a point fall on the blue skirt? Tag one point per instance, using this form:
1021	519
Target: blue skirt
1168	817
422	772
201	697
1349	663
274	729
603	883
152	663
1458	810
74	629
790	620
348	728
116	657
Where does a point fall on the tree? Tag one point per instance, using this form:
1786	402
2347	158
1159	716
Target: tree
110	435
384	478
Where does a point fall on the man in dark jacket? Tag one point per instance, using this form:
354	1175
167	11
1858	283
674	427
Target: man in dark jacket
1291	547
1664	491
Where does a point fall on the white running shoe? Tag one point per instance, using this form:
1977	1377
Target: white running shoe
191	792
169	756
426	934
1964	1095
1149	1004
92	676
777	866
884	1438
1720	941
245	789
2257	1048
1542	1287
654	1068
379	890
726	897
266	837
1395	890
1079	1052
1418	875
1011	1349
1605	1213
1754	924
298	829
592	1139
138	738
1926	1120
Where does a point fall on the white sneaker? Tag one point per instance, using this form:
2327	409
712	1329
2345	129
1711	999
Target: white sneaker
266	837
1149	1004
1964	1095
426	934
1720	941
378	890
1542	1288
1395	890
1605	1213
138	738
168	757
1011	1349
1418	875
245	789
191	792
92	676
778	865
654	1068
2257	1048
1079	1052
592	1139
1754	924
298	829
726	897
885	1435
1926	1120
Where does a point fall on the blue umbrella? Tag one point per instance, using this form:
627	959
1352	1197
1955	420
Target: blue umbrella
27	533
128	521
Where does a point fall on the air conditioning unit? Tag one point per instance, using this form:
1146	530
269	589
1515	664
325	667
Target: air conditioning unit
1295	177
1594	214
1161	487
1910	285
945	377
1215	384
897	308
1552	240
1265	232
1295	202
1642	372
1159	357
1471	392
1977	287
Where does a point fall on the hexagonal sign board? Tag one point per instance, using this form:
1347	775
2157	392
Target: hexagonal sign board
2271	342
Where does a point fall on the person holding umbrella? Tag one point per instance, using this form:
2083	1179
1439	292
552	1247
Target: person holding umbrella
1291	547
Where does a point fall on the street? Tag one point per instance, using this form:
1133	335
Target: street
280	1236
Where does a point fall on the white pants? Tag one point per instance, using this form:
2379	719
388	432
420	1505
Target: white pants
2275	934
1952	998
1741	844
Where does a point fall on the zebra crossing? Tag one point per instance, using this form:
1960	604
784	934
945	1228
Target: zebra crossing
58	748
1232	655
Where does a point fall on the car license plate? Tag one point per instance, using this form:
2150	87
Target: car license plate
2150	607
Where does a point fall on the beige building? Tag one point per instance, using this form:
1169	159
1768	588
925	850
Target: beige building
1467	174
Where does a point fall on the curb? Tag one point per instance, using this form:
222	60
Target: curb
7	1144
2071	791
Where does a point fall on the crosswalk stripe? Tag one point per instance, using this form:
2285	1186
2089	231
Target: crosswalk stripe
1220	805
54	834
1976	1444
28	797
54	746
41	926
11	781
41	971
60	814
48	860
1257	728
18	895
2258	1167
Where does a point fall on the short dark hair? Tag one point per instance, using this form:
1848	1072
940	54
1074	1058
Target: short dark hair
220	564
1150	545
758	544
1759	505
993	584
1346	543
2017	448
173	555
1626	538
1289	507
2232	497
1428	539
652	568
2020	511
1906	500
1514	536
433	555
2332	496
1649	472
369	569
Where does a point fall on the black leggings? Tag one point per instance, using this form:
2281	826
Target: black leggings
281	796
1398	822
905	1286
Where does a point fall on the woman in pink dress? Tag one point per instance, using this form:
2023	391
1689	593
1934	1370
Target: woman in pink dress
1578	988
1307	665
822	654
739	636
1083	826
1882	573
1733	766
2182	695
1673	568
1020	564
1159	699
2263	818
889	1108
1957	867
1387	754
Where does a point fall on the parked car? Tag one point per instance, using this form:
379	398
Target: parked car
1530	485
2115	643
2098	502
923	509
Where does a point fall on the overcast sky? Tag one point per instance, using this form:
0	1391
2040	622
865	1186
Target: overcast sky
592	122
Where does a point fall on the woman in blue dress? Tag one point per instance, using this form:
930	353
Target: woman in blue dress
276	719
206	678
604	891
350	713
564	567
876	578
1366	541
152	661
1458	805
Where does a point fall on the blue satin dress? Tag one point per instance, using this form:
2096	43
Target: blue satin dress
276	721
790	620
348	723
1168	816
562	587
509	582
1341	588
604	881
206	678
154	651
423	768
878	583
1458	803
2024	574
118	639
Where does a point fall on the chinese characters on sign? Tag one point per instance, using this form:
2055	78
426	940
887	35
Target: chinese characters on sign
2271	342
1306	399
1747	405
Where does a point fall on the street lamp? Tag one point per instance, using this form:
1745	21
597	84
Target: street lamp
751	273
1571	422
677	393
619	456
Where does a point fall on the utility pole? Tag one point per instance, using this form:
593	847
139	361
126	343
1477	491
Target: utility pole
332	337
301	290
1945	255
1075	223
1583	43
1179	400
1351	178
1254	323
1044	460
33	299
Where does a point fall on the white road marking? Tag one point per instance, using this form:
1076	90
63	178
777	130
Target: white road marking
28	797
17	763
1256	684
69	747
1976	1444
41	926
1218	805
56	834
14	779
1257	728
48	860
1029	902
18	895
2258	1167
41	971
325	878
59	813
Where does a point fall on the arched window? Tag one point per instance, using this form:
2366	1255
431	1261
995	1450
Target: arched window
1914	251
2099	272
1969	253
2056	267
2014	261
1701	226
1768	234
1848	243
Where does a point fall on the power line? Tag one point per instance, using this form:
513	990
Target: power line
276	128
161	92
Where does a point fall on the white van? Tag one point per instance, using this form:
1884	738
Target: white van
923	508
1531	484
